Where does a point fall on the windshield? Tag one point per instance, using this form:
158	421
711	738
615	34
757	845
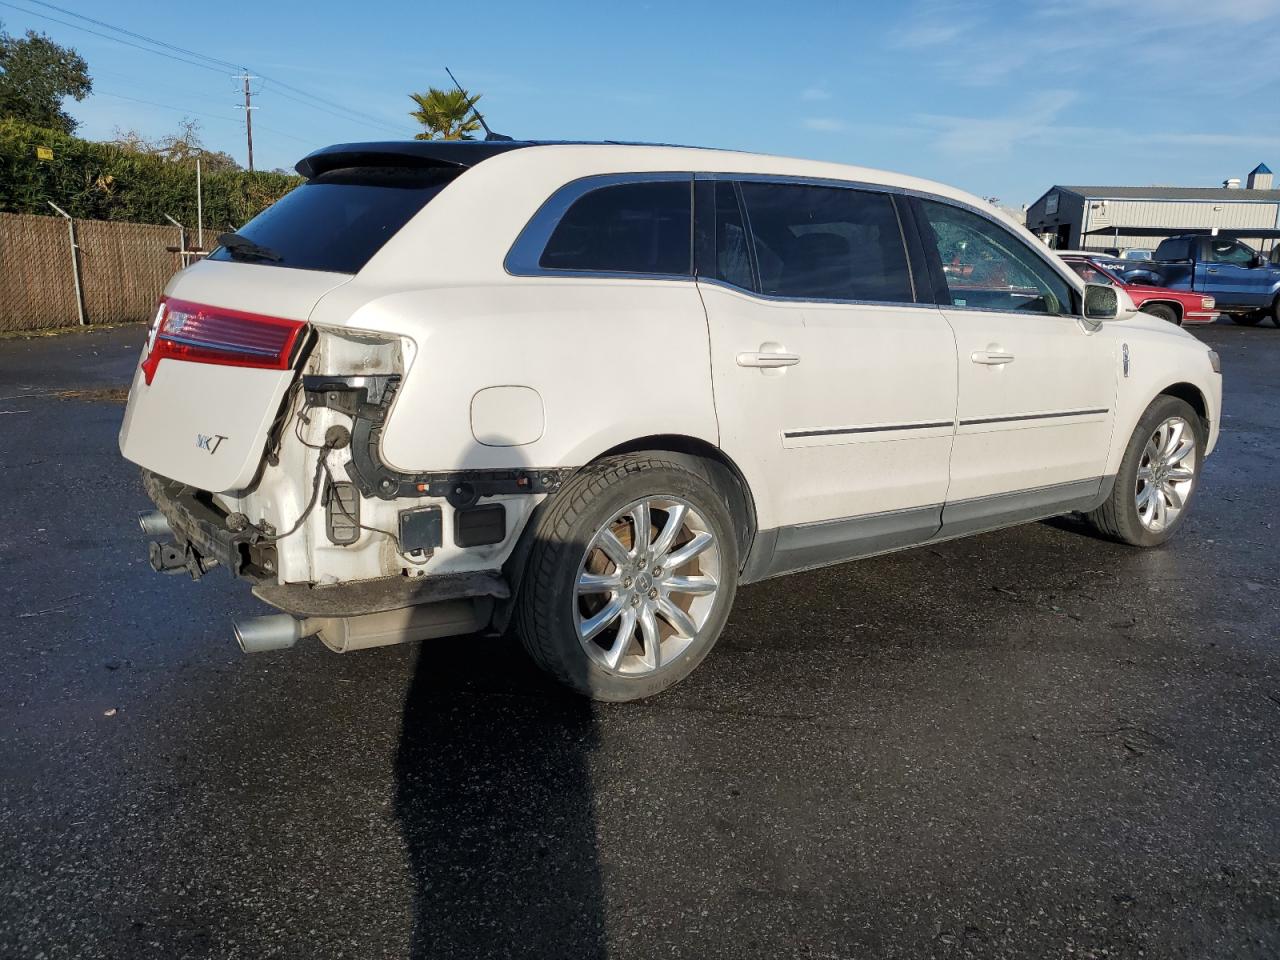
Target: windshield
337	221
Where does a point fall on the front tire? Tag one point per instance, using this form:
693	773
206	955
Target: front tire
1157	477
1162	311
631	576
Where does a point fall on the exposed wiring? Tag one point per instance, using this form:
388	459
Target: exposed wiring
322	470
347	513
301	419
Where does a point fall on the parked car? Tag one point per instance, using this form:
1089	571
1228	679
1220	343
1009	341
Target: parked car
1239	278
590	389
1174	306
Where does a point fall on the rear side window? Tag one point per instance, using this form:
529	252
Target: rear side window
827	243
340	219
643	228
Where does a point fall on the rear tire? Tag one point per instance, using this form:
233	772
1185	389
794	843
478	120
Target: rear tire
1275	312
1248	319
631	576
1158	476
1162	311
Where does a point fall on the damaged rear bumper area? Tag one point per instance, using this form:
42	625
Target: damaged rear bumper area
205	536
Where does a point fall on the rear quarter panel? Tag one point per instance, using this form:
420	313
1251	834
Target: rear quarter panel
608	360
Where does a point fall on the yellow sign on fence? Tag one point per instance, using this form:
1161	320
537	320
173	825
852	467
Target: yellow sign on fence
44	153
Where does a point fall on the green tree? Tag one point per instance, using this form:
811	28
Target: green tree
446	114
35	75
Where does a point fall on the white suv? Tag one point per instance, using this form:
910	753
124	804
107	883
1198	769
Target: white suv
589	389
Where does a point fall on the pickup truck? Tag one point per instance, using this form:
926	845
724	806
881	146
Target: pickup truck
1241	280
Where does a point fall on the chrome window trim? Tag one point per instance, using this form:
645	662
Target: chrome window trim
523	259
1040	251
770	298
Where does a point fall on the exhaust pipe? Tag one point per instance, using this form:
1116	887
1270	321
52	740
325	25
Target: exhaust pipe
276	632
344	634
154	524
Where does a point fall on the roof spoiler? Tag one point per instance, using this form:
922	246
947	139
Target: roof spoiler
455	154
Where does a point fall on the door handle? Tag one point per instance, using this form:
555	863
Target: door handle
1211	270
770	355
991	358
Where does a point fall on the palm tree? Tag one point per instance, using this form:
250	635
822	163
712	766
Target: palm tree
446	114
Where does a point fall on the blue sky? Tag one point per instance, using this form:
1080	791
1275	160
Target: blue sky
1000	98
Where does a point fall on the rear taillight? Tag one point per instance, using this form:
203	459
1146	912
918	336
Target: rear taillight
199	334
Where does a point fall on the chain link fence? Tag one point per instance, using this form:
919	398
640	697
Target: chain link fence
123	268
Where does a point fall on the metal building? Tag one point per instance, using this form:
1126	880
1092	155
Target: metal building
1100	218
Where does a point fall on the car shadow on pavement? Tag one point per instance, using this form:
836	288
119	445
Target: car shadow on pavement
493	794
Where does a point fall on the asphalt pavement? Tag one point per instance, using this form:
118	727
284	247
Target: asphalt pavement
1032	743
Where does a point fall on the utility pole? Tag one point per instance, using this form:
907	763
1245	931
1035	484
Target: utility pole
248	113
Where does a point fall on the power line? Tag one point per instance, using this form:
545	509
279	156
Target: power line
138	36
353	114
322	104
200	113
350	119
166	106
136	46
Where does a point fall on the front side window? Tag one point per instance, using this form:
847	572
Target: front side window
641	228
1230	251
1089	273
827	243
989	268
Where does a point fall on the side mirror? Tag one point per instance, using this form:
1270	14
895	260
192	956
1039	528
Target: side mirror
1258	261
1105	302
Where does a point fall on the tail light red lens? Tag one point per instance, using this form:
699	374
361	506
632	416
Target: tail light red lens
201	334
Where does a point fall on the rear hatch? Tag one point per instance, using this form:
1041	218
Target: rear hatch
231	331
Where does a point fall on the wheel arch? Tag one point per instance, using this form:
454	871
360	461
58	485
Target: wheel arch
720	470
1193	396
724	473
1172	304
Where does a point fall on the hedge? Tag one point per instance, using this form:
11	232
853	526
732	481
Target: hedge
99	181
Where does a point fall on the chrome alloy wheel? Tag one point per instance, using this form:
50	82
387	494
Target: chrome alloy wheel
646	586
1166	474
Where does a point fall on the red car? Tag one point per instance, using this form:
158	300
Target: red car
1176	306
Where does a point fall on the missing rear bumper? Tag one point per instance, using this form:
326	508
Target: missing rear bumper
201	528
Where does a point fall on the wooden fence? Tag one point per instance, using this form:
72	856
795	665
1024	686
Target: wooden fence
123	269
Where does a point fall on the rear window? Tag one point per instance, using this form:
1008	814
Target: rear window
1173	250
338	220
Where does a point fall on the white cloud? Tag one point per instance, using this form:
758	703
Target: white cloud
823	124
997	135
813	94
931	34
936	23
